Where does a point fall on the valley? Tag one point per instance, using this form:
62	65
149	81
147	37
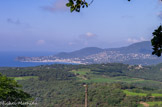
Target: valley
109	85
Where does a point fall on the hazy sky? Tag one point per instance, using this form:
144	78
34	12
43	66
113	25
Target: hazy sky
47	25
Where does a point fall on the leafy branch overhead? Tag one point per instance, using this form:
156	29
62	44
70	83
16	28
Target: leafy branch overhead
75	5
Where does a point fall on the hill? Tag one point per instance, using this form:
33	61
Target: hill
109	85
80	53
140	47
137	53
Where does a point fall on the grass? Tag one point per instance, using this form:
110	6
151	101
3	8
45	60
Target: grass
24	78
155	102
127	79
148	83
157	95
140	105
86	75
81	71
129	93
99	80
106	79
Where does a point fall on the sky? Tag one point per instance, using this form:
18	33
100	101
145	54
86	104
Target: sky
48	25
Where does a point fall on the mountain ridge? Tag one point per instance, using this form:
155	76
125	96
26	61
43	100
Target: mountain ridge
137	53
84	51
132	47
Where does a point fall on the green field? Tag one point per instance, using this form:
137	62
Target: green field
155	102
157	95
81	71
140	105
24	78
129	93
98	80
106	79
87	76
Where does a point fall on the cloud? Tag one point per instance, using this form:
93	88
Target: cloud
16	22
40	42
59	5
160	15
71	43
133	40
87	39
88	36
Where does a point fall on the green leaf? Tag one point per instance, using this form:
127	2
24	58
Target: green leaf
68	4
86	4
72	9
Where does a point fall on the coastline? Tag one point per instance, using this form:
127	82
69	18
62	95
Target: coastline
49	61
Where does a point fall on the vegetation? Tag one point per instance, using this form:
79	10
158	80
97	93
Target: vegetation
109	85
10	92
81	71
155	103
24	78
75	5
157	41
129	93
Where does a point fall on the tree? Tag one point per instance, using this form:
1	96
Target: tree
10	92
156	41
75	5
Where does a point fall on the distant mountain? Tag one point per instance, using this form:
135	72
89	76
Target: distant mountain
80	53
140	47
137	53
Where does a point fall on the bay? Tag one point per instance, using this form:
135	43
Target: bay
7	59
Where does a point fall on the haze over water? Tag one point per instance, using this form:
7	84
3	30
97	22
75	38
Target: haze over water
7	59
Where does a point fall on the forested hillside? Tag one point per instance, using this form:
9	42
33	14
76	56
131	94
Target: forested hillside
109	85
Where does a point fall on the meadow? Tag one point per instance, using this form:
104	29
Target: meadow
24	78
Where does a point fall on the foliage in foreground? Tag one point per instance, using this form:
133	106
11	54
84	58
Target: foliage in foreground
10	92
157	41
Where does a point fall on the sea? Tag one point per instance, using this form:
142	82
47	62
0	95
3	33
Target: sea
7	59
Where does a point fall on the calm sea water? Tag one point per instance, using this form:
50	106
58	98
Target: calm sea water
7	59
